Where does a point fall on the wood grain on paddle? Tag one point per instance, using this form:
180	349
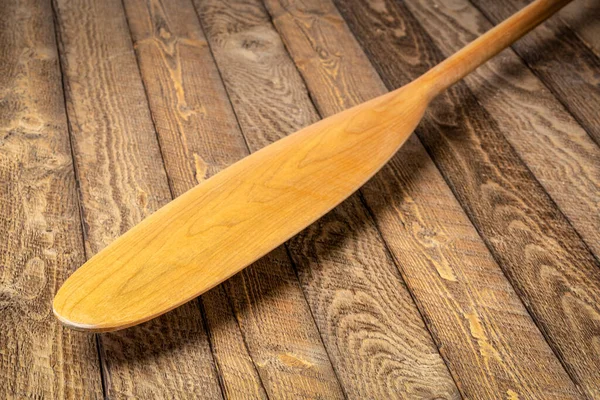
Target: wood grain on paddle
368	322
199	135
543	257
451	275
122	180
40	229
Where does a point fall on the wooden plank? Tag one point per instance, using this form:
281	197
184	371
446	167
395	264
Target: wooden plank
551	269
40	225
188	104
445	263
557	150
237	372
122	180
562	61
370	327
583	16
199	136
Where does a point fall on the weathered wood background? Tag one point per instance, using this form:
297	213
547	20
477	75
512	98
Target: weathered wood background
467	268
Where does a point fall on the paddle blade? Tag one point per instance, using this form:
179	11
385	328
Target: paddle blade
224	224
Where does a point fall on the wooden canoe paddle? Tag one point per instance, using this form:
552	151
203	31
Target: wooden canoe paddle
229	221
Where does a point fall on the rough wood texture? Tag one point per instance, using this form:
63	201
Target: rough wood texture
237	371
444	262
40	228
539	251
199	136
583	16
122	180
561	155
367	319
486	338
181	251
564	63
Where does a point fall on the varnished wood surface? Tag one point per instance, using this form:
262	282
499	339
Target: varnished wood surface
337	312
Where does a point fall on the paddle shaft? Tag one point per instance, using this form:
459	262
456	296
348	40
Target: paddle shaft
488	45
